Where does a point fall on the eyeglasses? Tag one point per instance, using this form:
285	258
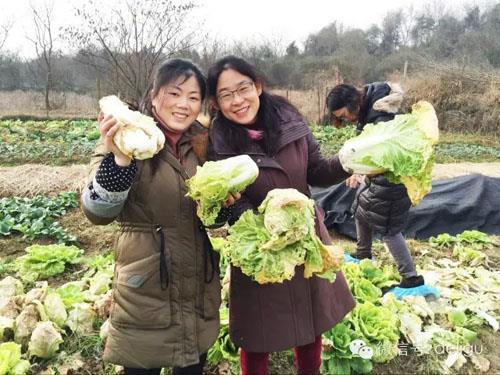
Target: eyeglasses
342	118
243	91
338	119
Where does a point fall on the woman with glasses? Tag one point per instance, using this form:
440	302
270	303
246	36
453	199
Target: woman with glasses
166	290
277	316
379	206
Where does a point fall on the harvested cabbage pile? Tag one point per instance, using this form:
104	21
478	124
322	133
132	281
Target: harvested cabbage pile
138	135
268	246
33	324
10	359
44	261
402	149
214	180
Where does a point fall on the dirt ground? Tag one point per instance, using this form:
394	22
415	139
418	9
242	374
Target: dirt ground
458	169
31	179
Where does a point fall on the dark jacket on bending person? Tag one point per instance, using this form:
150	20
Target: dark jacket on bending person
380	203
369	115
383	205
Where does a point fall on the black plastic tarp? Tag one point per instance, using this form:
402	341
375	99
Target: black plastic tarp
453	205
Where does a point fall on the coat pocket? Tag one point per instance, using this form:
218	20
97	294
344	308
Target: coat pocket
138	299
212	298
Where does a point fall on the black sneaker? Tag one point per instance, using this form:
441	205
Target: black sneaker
388	288
412	282
361	257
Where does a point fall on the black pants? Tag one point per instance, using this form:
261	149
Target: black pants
196	369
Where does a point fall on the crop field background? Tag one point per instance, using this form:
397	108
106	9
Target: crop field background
57	269
42	169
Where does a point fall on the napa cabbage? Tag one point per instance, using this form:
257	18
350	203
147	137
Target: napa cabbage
213	181
402	149
138	135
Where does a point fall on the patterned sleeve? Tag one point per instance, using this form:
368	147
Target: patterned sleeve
104	197
112	182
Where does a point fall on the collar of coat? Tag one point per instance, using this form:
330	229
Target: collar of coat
195	138
293	127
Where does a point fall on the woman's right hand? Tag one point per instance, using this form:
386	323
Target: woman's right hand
108	126
354	181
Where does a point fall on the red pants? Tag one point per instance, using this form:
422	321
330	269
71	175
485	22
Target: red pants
307	360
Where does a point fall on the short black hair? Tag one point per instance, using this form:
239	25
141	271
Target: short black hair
343	95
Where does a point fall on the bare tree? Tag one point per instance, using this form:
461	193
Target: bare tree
129	41
210	50
391	31
325	42
407	25
43	41
422	30
292	50
4	32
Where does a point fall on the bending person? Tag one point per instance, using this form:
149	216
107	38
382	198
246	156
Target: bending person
379	206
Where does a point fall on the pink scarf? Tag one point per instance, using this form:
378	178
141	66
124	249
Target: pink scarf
255	135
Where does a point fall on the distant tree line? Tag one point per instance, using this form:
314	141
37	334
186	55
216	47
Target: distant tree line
118	52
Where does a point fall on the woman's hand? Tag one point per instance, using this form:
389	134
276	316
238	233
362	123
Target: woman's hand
231	199
108	126
354	181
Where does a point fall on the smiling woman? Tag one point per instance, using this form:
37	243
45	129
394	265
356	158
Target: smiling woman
165	311
292	314
178	104
238	102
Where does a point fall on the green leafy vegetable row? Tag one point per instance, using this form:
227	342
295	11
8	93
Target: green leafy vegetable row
49	142
35	217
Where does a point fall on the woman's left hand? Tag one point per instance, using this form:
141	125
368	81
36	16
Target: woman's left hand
231	199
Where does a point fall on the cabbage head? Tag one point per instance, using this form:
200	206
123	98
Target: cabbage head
10	287
375	323
270	244
25	324
55	309
138	136
10	359
45	340
214	180
81	318
402	149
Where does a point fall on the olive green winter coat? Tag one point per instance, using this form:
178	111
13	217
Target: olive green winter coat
151	326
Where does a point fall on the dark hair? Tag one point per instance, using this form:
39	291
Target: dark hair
344	96
267	117
169	71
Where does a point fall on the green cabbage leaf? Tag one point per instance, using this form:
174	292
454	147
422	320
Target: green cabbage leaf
402	149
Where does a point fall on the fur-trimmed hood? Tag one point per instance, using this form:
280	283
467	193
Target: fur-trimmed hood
381	101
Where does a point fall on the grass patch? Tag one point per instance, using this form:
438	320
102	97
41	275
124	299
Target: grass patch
458	152
452	148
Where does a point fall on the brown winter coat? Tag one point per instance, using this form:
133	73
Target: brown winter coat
277	316
151	327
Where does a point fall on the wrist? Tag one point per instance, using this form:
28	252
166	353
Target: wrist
122	161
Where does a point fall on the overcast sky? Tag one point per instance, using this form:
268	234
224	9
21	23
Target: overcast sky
231	20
